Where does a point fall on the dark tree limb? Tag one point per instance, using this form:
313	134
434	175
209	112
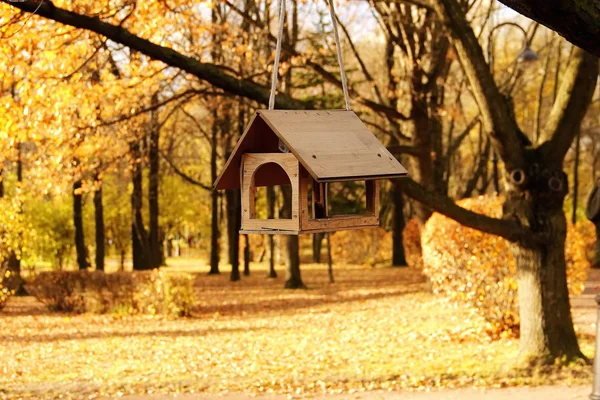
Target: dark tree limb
510	230
183	175
578	21
572	101
496	115
207	72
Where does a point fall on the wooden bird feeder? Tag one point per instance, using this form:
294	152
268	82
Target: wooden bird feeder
309	150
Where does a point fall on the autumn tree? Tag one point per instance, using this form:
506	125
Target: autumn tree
534	221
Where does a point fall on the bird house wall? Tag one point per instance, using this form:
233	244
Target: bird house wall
252	165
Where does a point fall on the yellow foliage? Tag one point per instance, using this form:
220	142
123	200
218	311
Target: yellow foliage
478	269
411	239
369	246
149	293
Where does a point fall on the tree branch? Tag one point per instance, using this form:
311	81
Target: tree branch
210	73
510	230
574	97
578	21
183	175
496	116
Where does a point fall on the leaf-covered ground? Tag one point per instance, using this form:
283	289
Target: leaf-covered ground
372	329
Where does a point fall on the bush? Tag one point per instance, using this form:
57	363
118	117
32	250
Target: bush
155	292
5	292
477	268
411	239
369	246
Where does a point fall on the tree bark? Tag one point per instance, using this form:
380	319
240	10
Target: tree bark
81	250
576	180
546	325
139	235
271	238
100	231
293	278
215	247
234	213
317	242
155	247
329	259
247	255
398	224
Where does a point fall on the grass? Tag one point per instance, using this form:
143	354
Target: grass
372	329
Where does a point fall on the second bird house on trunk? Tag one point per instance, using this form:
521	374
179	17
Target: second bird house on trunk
307	150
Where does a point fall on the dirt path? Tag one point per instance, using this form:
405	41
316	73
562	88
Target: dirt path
537	393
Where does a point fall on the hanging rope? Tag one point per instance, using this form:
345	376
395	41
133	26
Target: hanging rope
277	54
338	47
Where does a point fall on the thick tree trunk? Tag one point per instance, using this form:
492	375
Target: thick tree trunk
139	235
82	261
247	255
234	213
155	247
398	255
293	279
546	325
317	241
271	238
100	231
215	247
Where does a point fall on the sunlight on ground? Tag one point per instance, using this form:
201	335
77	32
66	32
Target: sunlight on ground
372	329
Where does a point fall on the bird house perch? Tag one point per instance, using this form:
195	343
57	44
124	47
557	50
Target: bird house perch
309	150
324	147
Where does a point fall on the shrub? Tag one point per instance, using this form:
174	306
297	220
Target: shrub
369	246
155	292
5	292
411	239
477	268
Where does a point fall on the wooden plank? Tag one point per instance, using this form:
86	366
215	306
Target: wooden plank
332	144
372	187
330	229
267	232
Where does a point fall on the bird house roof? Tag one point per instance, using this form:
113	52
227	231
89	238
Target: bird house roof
332	145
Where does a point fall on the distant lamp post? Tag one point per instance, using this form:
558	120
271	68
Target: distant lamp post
526	56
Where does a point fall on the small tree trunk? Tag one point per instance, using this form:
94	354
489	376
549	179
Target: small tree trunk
246	255
597	252
155	247
398	255
546	325
233	231
293	277
271	238
100	232
576	180
317	245
139	235
329	259
82	261
122	261
215	247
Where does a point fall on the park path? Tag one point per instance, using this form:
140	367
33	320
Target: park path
523	393
584	316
